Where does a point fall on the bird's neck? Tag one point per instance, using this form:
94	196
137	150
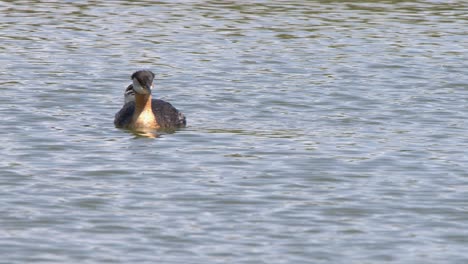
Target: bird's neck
142	103
143	116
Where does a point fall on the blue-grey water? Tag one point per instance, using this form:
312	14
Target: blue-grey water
319	132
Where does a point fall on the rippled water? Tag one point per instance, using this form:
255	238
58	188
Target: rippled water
319	132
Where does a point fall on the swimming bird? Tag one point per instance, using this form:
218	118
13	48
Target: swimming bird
129	94
144	112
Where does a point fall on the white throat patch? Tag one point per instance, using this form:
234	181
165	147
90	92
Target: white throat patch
138	89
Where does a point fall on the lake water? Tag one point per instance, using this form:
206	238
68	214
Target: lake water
318	132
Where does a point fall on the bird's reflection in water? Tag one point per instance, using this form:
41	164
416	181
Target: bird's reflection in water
150	133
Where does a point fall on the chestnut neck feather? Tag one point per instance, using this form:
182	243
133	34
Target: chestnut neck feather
142	103
143	117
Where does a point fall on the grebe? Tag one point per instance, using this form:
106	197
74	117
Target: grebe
129	94
143	112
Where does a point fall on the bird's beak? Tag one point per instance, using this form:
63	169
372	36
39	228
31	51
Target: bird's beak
149	87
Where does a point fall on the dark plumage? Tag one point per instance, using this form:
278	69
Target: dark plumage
166	115
140	111
145	78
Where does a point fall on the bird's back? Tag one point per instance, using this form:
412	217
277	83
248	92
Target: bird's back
167	115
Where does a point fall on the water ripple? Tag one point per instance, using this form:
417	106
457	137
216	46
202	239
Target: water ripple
318	131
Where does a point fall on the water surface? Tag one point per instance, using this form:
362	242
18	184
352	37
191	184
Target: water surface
319	132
